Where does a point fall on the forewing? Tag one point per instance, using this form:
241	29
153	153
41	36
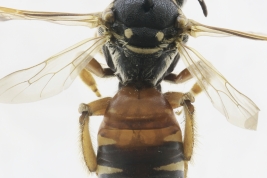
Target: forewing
51	76
90	20
237	108
196	29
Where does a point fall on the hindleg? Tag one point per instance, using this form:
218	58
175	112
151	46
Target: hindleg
189	133
92	109
177	99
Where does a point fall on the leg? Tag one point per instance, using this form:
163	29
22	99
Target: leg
189	133
196	89
174	98
180	78
177	99
94	67
89	80
95	108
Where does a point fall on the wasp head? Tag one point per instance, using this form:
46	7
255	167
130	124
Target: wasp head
144	35
143	23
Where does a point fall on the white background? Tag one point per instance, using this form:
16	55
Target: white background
41	139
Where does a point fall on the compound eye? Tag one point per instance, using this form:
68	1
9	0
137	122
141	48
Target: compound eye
128	33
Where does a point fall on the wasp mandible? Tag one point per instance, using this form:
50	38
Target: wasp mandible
141	52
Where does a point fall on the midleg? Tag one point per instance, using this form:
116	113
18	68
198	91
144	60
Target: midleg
89	80
94	67
180	78
196	89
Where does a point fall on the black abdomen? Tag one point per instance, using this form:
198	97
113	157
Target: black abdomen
143	162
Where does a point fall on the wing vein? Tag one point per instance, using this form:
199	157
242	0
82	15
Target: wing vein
235	106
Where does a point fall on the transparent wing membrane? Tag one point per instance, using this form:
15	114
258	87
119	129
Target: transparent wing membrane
196	29
89	20
51	76
236	107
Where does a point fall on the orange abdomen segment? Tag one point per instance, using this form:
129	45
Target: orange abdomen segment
139	137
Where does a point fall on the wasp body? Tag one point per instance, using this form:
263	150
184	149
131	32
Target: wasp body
142	41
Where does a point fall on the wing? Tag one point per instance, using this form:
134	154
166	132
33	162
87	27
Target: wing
89	20
196	29
51	76
236	107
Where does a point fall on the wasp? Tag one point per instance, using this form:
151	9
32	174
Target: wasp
142	42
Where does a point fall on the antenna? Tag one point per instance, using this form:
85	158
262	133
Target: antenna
204	7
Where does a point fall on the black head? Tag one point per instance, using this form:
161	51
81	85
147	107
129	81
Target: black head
156	14
144	23
142	48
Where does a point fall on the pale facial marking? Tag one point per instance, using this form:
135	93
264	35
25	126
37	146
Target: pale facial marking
128	33
160	36
143	50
